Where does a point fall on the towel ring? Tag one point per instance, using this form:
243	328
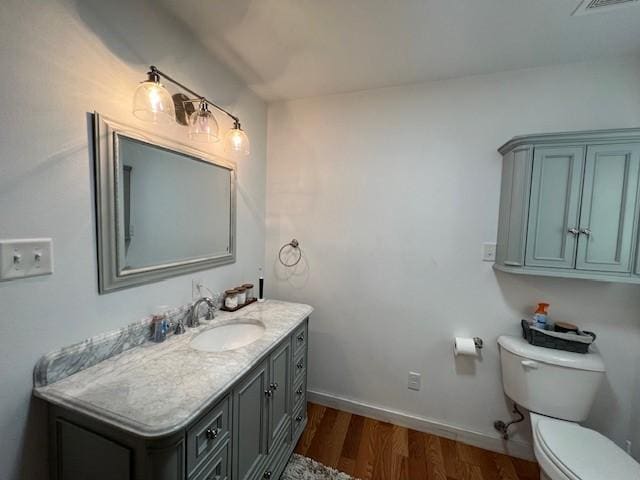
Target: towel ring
296	246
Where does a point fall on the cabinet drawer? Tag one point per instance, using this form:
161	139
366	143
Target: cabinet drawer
299	420
299	366
208	434
217	467
299	393
299	338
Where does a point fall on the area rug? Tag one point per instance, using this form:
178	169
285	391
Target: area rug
303	468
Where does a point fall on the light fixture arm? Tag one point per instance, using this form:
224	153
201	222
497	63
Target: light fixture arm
154	73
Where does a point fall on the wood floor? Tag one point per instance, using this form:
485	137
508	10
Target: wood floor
369	449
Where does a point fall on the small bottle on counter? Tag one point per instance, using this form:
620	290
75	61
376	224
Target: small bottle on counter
231	299
159	328
242	295
249	291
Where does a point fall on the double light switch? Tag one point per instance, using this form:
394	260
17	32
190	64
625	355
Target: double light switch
25	258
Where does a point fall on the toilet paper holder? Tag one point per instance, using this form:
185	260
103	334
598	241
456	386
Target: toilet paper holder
478	342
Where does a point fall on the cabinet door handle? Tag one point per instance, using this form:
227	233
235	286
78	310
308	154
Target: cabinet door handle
268	393
300	365
212	433
301	338
574	231
585	231
299	391
299	418
267	474
274	386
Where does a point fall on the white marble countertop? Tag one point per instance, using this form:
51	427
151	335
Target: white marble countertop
154	389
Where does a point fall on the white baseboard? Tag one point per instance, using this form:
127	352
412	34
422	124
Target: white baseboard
482	440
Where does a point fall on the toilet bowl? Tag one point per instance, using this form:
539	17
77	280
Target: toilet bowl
559	388
567	451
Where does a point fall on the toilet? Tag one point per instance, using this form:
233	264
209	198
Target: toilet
558	388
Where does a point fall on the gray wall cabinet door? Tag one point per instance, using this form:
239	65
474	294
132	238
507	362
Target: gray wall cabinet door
608	212
514	206
250	423
280	383
554	206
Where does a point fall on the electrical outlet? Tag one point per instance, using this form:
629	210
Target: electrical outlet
488	252
414	381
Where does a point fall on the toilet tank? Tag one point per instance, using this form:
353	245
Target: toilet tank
550	382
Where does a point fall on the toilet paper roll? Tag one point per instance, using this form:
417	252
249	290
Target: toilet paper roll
464	346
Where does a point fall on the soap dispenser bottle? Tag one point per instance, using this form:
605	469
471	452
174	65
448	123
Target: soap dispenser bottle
540	316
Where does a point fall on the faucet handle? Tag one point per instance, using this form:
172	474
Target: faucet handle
179	328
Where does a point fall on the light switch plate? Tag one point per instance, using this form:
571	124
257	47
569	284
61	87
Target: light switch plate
20	258
488	252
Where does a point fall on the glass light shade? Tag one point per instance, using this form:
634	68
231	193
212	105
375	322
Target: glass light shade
153	103
203	126
236	141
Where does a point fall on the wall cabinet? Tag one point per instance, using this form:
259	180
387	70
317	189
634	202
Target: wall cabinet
569	205
247	435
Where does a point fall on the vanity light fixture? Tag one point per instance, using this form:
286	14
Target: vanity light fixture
203	125
236	141
153	103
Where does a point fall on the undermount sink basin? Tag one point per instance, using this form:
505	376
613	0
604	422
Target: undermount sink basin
229	336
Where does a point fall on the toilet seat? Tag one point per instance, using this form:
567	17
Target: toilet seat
568	451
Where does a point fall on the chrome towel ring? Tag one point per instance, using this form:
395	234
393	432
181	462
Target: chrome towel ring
294	244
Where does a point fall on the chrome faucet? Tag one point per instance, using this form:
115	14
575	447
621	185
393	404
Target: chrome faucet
193	320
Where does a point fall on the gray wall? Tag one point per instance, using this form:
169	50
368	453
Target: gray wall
61	59
391	193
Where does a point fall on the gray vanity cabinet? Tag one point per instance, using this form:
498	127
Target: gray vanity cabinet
250	403
280	399
569	206
248	433
263	403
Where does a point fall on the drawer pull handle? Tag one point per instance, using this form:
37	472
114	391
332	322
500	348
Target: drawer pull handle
212	433
585	231
300	365
573	231
267	474
274	386
299	418
299	391
268	393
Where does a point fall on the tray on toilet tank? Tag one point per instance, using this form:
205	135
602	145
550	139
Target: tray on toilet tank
570	342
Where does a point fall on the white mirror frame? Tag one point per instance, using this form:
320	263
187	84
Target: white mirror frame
111	276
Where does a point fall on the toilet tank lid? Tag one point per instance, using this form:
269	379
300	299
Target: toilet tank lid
580	361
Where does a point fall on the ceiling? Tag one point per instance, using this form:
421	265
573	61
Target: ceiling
297	48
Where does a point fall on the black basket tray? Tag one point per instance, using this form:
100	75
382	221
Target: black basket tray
541	339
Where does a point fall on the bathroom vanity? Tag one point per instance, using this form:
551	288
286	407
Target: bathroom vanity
170	411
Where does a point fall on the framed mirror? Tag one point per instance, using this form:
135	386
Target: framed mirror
162	208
